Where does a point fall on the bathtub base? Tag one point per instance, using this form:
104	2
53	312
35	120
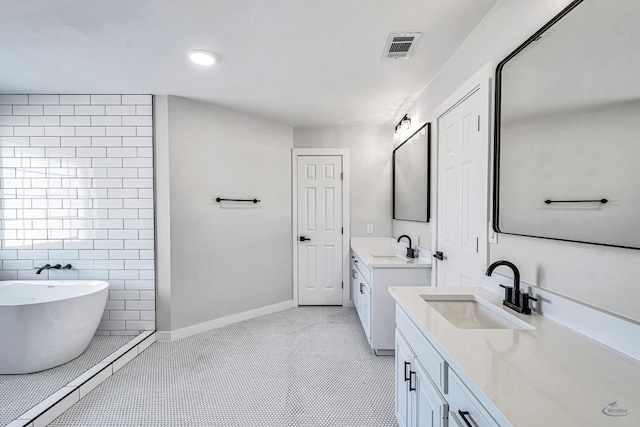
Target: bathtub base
43	335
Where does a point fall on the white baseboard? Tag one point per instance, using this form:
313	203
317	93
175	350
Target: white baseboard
188	331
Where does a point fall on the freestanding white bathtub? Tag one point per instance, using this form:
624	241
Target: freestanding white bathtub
47	323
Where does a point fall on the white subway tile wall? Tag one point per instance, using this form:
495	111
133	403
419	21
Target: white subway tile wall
76	187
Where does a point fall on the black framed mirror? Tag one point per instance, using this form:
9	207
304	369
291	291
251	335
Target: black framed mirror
567	129
411	177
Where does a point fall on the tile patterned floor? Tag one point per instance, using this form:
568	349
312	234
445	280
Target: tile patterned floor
307	366
19	393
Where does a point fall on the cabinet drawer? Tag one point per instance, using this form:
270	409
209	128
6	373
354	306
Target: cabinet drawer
433	363
365	272
465	405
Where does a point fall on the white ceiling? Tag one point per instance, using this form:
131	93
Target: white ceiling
300	62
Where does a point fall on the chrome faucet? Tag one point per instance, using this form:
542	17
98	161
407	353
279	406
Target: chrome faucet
513	298
410	252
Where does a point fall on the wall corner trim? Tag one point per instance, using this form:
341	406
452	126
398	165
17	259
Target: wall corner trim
165	336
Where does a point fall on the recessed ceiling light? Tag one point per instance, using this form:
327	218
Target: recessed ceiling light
202	57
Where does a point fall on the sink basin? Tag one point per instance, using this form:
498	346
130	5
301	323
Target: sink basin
473	312
389	257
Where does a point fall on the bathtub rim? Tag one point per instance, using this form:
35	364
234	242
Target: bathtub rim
100	285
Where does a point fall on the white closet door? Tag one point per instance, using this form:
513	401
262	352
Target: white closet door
320	221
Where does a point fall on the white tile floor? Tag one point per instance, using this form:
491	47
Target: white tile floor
307	366
19	393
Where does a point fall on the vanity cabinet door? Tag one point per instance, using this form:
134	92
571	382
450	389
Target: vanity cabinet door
359	296
418	400
465	406
404	358
430	408
362	301
366	310
355	292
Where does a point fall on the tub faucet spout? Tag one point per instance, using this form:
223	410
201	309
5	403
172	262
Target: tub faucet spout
44	267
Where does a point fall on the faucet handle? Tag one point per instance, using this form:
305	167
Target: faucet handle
508	292
525	302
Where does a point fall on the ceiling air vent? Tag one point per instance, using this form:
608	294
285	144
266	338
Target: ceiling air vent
400	45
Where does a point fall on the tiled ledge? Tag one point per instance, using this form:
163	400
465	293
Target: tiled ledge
54	405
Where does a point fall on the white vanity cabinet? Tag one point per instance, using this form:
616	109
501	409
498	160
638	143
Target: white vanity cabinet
490	375
375	306
428	392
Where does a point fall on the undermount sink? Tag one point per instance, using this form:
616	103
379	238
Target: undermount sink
389	256
473	312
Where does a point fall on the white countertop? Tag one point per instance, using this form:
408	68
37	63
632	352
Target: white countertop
550	376
367	248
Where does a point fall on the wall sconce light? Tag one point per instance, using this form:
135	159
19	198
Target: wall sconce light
402	127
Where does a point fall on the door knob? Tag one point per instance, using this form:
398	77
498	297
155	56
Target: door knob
439	255
304	239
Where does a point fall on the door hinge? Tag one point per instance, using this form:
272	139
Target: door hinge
342	230
342	285
478	123
341	175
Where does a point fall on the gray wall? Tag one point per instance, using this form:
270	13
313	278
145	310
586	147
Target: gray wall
229	258
603	277
370	153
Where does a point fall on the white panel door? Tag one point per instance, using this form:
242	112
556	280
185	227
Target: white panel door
463	150
320	221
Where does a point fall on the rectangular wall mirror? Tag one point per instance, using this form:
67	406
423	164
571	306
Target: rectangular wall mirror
411	177
568	129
